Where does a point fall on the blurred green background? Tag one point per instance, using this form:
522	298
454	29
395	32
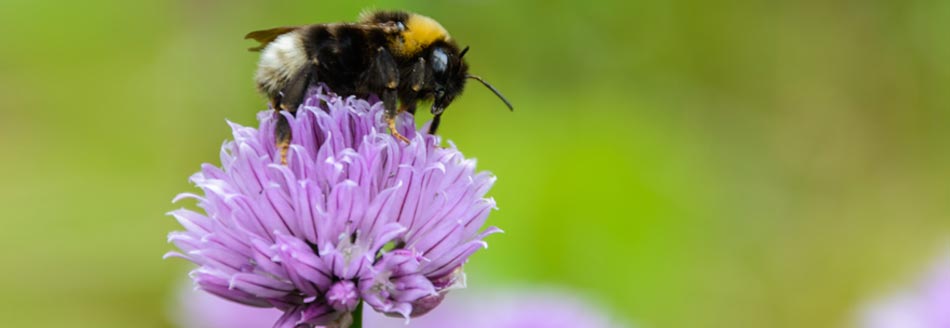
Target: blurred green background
683	163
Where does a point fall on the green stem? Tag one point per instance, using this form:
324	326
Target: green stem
358	316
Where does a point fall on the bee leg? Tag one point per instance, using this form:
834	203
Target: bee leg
417	77
416	80
282	137
435	123
288	100
389	103
281	129
385	75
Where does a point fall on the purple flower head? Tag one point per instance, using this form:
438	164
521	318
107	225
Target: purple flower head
927	305
354	215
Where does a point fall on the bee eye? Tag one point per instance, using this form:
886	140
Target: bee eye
439	60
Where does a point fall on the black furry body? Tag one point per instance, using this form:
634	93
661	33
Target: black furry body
398	56
355	59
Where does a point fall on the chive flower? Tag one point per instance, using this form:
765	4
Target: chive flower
354	216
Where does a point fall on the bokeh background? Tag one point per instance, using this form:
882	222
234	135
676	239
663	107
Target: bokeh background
681	163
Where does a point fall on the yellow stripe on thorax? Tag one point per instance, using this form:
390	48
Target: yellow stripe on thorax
420	32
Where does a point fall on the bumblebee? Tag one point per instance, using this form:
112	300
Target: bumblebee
396	55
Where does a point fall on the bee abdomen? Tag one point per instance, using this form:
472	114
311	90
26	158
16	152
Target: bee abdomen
280	61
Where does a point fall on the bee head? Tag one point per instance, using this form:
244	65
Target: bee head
448	74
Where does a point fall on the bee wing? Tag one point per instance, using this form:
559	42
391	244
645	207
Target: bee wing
267	36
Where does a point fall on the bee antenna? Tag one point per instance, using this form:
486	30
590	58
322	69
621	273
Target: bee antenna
462	54
490	87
